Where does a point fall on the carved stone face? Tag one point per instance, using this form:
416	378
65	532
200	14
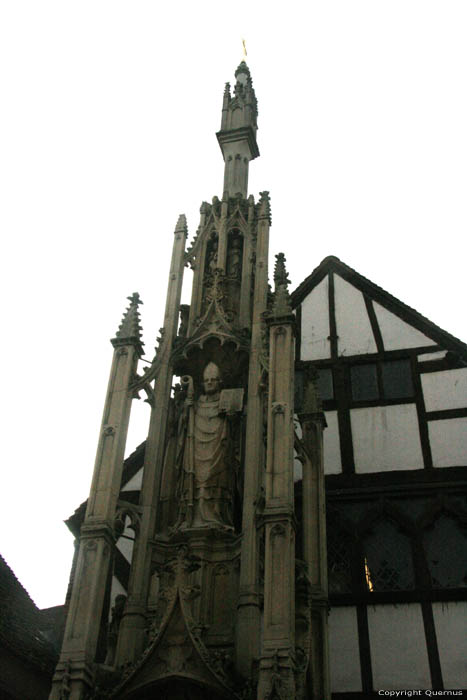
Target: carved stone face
211	379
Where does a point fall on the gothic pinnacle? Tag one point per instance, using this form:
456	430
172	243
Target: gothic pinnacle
243	68
280	273
237	136
264	206
281	305
129	331
181	226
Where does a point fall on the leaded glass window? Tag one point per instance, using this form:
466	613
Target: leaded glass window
383	380
446	553
339	556
397	379
387	559
364	382
325	384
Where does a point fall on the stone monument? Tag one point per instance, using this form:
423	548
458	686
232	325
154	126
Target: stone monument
227	588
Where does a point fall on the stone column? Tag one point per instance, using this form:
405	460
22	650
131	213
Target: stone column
277	662
75	667
312	422
198	273
223	233
237	158
132	628
245	319
249	614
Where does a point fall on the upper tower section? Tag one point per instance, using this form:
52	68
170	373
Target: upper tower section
237	137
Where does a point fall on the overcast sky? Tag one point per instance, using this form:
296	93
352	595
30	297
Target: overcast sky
108	118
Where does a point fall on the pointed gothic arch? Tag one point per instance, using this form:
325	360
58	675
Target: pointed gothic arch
444	538
442	504
387	549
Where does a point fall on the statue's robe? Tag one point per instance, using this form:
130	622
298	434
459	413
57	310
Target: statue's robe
208	478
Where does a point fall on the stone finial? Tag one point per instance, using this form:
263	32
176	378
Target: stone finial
181	226
281	305
244	87
264	206
280	273
243	68
129	331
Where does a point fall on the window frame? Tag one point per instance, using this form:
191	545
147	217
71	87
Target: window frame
382	398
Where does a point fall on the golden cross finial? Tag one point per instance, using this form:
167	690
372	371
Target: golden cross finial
244	48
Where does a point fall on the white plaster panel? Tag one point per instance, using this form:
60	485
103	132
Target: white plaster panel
314	344
399	656
331	445
126	548
427	356
386	438
343	650
448	440
135	482
116	589
451	634
397	334
126	543
297	465
444	390
297	469
355	336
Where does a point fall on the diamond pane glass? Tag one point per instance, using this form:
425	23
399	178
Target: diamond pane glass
388	559
339	554
446	552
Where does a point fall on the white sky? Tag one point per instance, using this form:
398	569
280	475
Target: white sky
107	132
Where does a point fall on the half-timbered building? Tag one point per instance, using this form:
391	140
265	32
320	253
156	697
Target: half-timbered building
394	392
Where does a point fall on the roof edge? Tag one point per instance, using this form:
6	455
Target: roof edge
332	263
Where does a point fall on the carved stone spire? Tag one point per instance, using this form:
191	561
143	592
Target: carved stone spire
129	331
281	305
237	137
181	226
277	665
74	676
264	206
244	88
